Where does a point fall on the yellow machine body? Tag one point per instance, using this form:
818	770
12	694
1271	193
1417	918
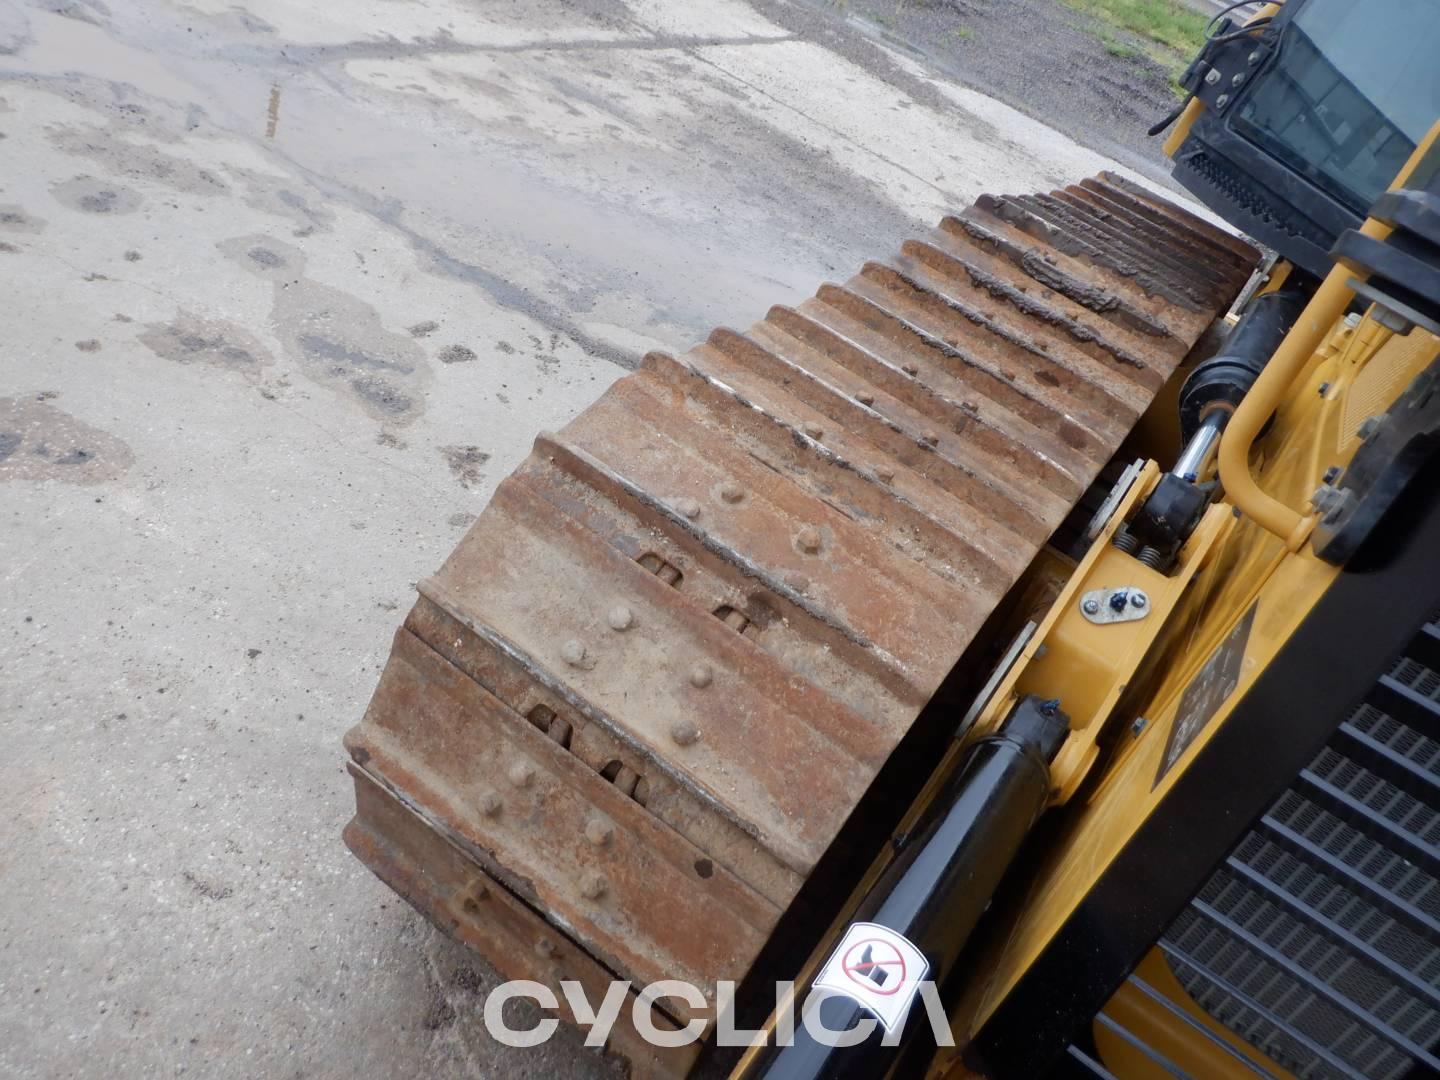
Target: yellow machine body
1357	373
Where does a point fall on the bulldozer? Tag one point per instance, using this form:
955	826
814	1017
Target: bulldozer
1021	659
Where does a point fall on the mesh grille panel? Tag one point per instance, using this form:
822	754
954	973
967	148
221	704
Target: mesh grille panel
1336	906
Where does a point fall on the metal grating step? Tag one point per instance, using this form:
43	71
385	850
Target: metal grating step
1318	940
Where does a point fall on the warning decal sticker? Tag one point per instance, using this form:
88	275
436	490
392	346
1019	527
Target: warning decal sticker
1207	692
878	968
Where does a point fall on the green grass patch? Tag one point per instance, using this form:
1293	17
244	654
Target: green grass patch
1165	22
1167	31
1122	49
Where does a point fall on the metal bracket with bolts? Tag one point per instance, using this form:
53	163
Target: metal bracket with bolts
1122	604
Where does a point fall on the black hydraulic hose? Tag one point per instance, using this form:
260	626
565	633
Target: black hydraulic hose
928	899
1215	19
1169	118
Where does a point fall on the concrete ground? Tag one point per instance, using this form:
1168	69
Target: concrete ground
288	287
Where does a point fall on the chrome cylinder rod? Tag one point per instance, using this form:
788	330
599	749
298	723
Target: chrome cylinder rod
1195	459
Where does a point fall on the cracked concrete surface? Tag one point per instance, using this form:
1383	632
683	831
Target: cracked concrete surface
288	288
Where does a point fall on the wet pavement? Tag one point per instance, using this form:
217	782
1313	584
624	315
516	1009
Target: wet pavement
288	288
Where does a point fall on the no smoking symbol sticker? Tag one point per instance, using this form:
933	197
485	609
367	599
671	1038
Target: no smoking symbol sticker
878	968
876	965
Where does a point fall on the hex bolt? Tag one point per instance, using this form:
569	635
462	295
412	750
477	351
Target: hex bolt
573	652
1138	726
1212	77
731	492
930	437
1139	601
599	832
1091	606
813	430
522	774
1370	425
689	507
808	538
490	804
1331	475
684	732
701	675
620	617
593	887
1117	601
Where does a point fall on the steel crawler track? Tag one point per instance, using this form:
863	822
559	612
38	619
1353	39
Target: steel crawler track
637	703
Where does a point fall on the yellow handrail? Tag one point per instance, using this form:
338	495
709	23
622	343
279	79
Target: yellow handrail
1325	308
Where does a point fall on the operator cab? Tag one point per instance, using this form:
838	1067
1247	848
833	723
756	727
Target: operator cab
1308	116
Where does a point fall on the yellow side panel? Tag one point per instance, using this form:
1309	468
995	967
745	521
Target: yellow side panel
1356	374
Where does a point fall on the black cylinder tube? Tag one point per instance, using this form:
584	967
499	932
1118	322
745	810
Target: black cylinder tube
940	882
1222	381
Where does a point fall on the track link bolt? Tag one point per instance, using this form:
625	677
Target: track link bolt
599	832
684	732
544	947
522	774
620	617
593	887
731	492
689	507
799	582
812	430
808	539
865	399
885	474
910	369
573	652
490	804
701	676
930	437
